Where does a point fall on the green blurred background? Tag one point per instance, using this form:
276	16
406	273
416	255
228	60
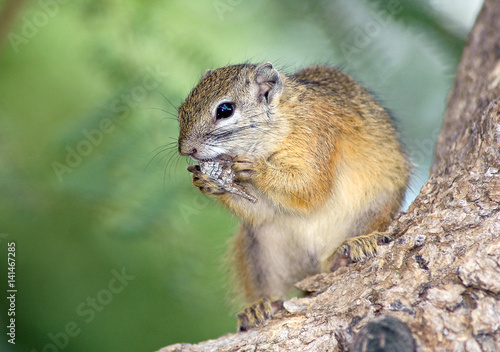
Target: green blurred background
115	250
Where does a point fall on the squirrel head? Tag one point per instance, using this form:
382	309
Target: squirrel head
230	111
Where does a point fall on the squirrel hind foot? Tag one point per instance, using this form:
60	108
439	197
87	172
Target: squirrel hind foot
356	249
257	314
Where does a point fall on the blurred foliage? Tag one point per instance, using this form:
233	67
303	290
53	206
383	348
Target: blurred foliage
90	180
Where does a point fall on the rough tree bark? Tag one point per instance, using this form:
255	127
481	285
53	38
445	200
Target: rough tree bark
442	275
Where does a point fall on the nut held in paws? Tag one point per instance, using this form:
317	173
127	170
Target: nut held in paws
221	171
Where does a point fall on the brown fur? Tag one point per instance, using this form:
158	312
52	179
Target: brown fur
319	153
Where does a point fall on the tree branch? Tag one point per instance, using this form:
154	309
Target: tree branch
476	85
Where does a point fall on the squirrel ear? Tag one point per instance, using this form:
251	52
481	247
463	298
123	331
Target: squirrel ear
207	72
268	81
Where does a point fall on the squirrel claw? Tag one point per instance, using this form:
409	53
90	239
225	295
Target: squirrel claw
205	183
243	168
357	249
257	314
194	168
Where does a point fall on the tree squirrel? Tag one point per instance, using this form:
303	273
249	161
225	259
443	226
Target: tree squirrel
317	152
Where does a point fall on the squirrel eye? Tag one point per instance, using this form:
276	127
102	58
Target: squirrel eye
224	111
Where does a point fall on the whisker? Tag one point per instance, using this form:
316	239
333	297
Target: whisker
164	97
168	145
160	150
223	135
173	155
165	111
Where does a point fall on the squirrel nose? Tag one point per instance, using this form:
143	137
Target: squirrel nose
187	150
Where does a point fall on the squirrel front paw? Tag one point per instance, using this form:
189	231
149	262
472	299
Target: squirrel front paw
356	249
244	168
258	313
205	183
